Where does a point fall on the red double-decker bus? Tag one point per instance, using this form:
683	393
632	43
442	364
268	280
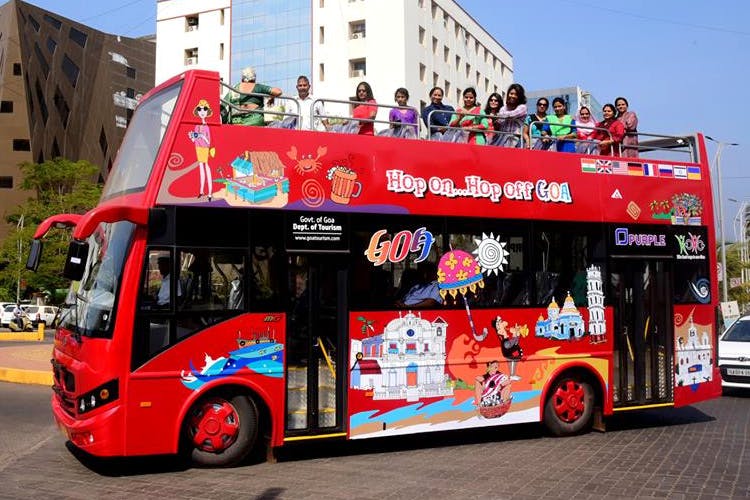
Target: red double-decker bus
244	286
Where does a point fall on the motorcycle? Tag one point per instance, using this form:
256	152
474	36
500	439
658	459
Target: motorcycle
22	324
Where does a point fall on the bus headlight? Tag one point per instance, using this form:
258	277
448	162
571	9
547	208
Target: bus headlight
102	395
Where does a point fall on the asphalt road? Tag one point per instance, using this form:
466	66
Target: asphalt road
696	452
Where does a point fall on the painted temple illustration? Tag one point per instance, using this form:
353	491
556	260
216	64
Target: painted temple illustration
406	361
693	358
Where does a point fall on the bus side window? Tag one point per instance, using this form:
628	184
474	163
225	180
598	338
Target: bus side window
156	289
211	279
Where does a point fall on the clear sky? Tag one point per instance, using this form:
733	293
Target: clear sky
680	63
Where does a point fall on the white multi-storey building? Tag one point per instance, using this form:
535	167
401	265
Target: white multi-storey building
416	44
192	34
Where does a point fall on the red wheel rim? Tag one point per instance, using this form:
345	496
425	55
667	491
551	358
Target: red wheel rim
215	425
568	401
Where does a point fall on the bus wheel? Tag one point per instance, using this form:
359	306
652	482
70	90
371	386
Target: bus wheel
569	406
221	431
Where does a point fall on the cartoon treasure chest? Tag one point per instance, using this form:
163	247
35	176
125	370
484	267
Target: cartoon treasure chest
258	177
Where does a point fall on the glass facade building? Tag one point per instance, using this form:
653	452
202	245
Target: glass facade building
273	36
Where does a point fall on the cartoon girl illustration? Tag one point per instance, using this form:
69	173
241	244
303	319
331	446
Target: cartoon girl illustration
492	392
201	137
509	345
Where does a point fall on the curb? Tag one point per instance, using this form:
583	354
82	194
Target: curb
26	376
20	336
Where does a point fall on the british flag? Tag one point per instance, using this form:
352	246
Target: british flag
603	166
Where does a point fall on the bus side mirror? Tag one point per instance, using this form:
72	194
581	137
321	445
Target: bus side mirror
35	255
75	262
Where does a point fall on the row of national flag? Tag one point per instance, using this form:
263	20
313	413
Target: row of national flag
639	169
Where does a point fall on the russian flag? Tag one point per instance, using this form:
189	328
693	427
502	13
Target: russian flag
665	171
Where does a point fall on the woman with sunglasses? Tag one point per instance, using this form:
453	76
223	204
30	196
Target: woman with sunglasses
609	140
535	127
467	118
201	137
492	113
366	110
630	121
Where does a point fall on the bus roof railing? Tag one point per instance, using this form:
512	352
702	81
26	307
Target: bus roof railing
587	145
349	120
292	119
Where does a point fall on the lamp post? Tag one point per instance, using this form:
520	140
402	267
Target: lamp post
717	162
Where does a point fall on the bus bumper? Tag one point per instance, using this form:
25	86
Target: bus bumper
99	434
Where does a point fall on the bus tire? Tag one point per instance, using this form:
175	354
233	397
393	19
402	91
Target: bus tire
221	430
569	406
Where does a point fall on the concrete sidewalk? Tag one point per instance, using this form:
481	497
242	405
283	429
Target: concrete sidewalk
26	362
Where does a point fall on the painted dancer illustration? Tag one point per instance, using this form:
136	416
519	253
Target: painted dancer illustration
492	392
201	137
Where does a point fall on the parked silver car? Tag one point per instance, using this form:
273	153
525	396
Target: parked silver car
734	354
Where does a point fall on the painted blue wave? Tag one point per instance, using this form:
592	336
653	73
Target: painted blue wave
265	359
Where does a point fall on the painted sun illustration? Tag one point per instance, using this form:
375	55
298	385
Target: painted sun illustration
491	253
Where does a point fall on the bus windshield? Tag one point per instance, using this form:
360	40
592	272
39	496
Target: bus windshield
91	301
135	159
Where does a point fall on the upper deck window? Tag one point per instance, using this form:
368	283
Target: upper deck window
143	139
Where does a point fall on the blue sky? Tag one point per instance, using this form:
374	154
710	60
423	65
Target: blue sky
680	64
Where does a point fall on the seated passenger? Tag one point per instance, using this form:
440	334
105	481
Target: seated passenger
425	293
402	117
248	104
511	117
492	110
468	119
585	128
562	126
437	115
367	110
535	128
609	143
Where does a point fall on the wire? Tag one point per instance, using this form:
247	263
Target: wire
111	10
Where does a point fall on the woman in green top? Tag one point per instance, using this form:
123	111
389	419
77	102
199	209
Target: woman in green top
468	118
562	126
248	105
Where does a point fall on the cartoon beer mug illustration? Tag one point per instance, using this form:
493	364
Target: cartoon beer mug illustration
343	184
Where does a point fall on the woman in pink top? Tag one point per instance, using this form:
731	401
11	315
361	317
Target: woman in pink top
511	117
367	111
630	121
201	137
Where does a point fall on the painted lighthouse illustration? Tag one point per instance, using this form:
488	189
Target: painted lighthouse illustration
595	298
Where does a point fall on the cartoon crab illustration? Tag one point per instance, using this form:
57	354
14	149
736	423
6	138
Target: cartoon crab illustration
306	163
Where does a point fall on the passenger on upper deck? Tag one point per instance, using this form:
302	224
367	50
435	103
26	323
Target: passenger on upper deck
585	128
366	111
609	144
309	107
249	103
467	117
630	121
512	117
492	110
437	115
533	134
562	126
402	117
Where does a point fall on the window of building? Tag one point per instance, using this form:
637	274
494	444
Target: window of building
55	23
322	4
6	106
468	70
357	29
62	106
447	87
17	69
191	22
51	45
21	145
357	68
479	79
321	72
42	104
321	35
435	79
78	37
221	51
221	17
34	23
446	53
55	148
42	61
191	56
434	46
70	70
435	11
458	63
422	70
6	182
422	33
103	144
421	4
130	93
130	72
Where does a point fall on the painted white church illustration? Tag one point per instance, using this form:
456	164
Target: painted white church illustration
693	358
406	361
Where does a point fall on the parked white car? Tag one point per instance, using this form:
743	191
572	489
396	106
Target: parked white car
41	314
734	354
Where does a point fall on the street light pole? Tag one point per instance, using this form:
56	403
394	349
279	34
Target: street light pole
717	162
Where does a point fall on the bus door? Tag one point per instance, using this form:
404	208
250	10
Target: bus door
641	291
316	329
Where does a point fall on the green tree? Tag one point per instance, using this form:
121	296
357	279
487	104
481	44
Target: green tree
734	270
60	186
